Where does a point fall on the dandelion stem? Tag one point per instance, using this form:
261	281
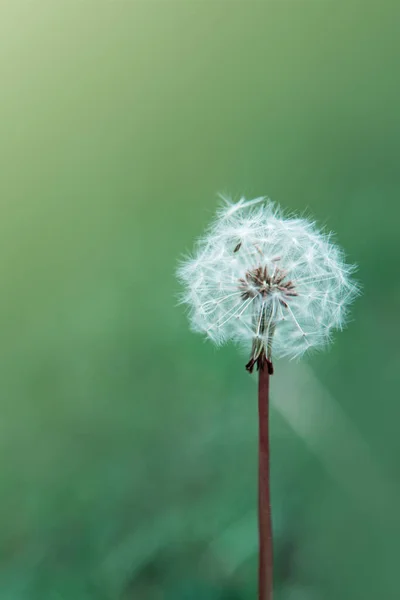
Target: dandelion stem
265	563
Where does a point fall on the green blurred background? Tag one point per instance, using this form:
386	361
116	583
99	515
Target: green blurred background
128	446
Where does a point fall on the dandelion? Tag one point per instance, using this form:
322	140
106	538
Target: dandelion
279	287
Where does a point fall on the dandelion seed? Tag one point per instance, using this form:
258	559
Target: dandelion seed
284	263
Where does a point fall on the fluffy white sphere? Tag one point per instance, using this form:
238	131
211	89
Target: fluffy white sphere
266	280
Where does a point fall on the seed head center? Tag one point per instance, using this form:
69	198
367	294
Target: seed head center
259	282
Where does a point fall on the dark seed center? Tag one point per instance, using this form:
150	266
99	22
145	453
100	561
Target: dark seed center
259	282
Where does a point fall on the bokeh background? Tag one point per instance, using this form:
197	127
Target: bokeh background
128	446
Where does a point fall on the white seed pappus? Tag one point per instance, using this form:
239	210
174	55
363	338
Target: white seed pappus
271	282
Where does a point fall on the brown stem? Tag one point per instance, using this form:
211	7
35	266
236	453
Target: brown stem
264	503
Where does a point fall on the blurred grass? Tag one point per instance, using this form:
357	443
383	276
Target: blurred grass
128	446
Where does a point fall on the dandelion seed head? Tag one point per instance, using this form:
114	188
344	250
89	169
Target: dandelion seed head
267	281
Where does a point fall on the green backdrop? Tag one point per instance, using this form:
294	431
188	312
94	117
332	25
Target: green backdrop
128	445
